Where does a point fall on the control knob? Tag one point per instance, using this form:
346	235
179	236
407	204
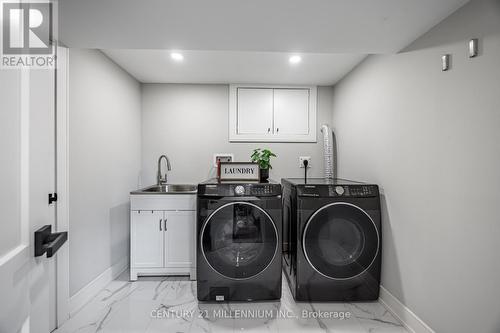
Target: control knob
339	190
239	190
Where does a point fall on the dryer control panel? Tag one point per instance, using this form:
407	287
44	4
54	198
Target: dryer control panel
363	190
339	190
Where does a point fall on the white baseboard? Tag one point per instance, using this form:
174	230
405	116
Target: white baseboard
409	319
85	295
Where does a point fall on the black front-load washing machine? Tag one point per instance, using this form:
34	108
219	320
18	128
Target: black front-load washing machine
239	241
331	239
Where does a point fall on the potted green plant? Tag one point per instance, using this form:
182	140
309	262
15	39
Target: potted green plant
263	158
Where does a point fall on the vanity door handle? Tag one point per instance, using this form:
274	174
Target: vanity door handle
165	225
160	224
48	242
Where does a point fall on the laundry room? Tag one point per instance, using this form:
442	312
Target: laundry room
264	166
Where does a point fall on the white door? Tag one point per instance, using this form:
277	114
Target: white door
27	173
291	111
254	111
147	233
178	241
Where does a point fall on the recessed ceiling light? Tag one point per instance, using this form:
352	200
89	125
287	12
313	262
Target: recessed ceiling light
176	56
295	59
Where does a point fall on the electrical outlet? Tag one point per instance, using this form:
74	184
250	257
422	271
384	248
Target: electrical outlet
223	157
304	158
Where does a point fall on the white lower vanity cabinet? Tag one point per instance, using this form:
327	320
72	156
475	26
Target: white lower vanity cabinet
162	242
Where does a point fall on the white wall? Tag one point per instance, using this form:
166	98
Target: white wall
431	140
190	122
104	166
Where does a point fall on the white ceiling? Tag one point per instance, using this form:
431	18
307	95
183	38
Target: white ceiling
156	66
316	26
254	38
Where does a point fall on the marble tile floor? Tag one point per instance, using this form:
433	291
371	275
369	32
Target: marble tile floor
168	304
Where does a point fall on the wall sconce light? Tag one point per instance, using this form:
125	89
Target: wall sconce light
473	48
445	62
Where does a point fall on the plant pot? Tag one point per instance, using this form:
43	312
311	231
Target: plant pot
264	174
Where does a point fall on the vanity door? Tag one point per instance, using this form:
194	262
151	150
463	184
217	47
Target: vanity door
179	232
147	247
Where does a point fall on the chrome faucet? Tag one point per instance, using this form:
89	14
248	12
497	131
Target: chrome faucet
159	179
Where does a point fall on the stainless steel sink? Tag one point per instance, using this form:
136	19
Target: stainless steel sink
168	189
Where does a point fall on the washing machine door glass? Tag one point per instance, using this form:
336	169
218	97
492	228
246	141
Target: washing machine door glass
340	241
239	240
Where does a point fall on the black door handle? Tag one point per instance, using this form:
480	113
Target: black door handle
48	242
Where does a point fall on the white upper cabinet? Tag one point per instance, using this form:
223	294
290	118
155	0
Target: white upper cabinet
272	113
255	111
291	111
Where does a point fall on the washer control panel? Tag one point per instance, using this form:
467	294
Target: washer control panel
240	189
256	190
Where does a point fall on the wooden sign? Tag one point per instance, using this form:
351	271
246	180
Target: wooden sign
239	171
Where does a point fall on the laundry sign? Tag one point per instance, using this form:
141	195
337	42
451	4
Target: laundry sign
239	171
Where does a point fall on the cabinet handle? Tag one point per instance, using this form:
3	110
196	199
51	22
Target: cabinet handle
165	226
269	130
277	129
160	224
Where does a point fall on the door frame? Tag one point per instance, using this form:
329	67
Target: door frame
62	182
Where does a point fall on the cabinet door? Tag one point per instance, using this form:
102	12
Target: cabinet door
254	111
291	111
147	239
179	240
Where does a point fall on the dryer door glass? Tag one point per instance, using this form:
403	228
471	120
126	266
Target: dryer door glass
239	240
340	241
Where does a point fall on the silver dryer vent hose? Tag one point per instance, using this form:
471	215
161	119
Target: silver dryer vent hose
329	152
